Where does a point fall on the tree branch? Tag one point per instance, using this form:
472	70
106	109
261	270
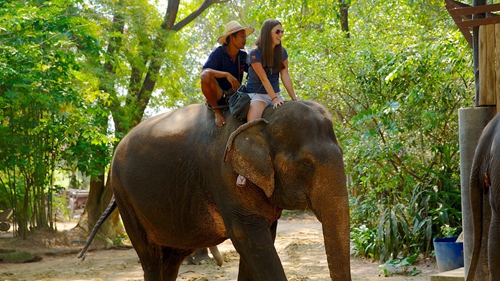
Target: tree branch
207	3
159	45
171	14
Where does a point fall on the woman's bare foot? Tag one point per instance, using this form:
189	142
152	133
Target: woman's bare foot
219	118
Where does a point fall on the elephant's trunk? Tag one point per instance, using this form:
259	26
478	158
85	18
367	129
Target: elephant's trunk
331	206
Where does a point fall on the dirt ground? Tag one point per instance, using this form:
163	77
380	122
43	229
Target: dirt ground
299	244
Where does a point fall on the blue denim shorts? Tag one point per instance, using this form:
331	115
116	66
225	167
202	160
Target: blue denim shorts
265	98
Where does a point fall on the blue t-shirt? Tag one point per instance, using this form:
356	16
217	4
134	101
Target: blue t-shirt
220	60
254	85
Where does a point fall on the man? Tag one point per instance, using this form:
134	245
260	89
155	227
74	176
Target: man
223	71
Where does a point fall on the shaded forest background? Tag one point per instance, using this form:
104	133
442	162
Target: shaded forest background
76	76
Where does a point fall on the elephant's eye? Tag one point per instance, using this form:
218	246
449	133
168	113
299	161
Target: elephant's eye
306	166
307	163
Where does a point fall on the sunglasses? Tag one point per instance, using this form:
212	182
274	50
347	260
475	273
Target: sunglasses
278	31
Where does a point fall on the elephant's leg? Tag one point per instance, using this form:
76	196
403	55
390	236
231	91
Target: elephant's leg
255	243
159	263
244	272
494	239
169	264
274	228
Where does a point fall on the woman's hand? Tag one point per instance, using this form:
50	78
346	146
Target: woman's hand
277	102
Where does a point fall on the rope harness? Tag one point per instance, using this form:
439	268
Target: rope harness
225	94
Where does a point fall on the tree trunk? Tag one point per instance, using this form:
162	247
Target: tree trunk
344	17
99	197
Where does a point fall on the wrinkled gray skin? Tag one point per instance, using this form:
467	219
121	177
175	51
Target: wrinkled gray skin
174	181
486	171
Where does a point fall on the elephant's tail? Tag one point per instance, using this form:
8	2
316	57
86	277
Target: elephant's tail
104	216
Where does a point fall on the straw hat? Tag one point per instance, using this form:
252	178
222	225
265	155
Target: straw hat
232	27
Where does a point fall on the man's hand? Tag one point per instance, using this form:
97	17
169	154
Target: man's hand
234	82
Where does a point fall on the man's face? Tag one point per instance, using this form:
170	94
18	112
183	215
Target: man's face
240	39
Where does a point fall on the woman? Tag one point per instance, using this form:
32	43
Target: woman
267	60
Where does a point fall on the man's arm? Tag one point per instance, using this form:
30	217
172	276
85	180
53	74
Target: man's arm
223	74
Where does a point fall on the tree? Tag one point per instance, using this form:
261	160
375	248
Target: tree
139	52
41	106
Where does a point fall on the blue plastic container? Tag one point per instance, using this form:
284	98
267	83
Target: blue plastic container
449	254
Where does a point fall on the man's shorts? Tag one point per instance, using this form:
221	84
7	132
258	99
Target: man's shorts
225	97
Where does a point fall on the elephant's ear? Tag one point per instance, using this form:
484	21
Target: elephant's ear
247	150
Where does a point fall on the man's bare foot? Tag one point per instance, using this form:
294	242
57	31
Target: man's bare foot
219	118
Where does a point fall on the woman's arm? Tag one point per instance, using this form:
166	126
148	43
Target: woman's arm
287	81
259	69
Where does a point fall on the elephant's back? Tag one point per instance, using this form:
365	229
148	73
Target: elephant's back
160	165
153	136
172	123
167	141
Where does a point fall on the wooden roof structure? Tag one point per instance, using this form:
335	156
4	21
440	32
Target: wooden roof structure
464	16
481	21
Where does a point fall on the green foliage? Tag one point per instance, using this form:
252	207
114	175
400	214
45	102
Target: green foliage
399	112
60	204
119	239
364	242
399	266
43	111
394	87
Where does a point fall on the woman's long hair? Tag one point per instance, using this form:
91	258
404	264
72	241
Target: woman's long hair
271	58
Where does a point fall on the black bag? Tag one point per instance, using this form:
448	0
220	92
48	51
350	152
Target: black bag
239	103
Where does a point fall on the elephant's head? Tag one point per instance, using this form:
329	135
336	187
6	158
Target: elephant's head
293	155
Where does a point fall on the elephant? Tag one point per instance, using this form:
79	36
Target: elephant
485	181
174	181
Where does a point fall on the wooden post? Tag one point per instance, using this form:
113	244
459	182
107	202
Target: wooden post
487	65
497	65
481	67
